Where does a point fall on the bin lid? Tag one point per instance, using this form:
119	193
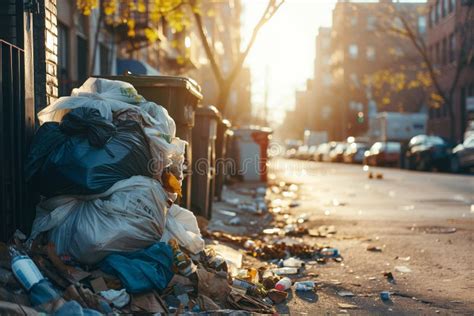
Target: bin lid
161	81
210	111
245	131
226	123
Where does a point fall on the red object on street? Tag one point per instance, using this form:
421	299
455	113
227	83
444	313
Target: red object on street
262	138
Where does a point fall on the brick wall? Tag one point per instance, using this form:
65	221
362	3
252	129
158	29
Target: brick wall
46	54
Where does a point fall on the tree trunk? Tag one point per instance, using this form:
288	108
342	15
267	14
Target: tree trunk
452	125
223	97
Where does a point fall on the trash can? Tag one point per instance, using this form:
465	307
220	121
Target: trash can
204	157
252	144
223	133
180	96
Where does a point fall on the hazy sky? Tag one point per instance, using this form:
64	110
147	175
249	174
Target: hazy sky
286	47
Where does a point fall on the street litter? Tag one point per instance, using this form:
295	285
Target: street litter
374	248
402	269
345	293
385	295
305	286
402	258
347	306
389	277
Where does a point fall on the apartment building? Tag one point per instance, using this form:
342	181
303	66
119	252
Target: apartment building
450	30
362	44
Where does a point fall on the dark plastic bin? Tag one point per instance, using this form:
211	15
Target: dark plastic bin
204	154
180	96
223	131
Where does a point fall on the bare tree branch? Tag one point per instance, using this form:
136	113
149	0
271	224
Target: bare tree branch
207	47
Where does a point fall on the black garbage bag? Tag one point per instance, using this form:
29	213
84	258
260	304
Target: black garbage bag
93	155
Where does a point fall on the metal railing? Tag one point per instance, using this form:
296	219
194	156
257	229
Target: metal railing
15	206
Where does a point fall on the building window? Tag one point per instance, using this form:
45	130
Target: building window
353	51
82	60
452	5
445	7
452	47
64	81
370	53
438	10
105	60
327	79
422	24
371	23
444	52
432	16
353	20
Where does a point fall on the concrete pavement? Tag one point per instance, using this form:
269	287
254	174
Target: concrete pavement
422	221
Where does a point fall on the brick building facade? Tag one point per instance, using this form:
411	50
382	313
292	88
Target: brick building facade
448	20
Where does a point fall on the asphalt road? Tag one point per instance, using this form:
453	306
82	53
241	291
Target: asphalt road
421	221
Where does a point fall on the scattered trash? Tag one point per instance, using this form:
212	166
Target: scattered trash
236	221
345	293
374	248
379	176
434	229
330	252
402	258
389	277
285	270
284	284
305	286
277	296
347	306
118	298
402	269
385	295
293	263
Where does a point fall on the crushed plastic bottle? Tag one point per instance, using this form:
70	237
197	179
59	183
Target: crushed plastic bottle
285	270
330	252
293	263
305	286
283	285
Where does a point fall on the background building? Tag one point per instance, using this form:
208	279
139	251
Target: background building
448	19
363	44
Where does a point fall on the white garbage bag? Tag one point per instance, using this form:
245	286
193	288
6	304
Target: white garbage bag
130	216
181	225
107	96
109	89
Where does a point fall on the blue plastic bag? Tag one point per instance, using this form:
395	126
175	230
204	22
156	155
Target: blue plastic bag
142	270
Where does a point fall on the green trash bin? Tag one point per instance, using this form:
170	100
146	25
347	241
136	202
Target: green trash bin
223	134
204	158
180	96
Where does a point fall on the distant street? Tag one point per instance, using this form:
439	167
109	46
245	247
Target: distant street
422	221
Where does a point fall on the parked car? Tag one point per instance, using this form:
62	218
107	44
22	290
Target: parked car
302	152
355	152
322	153
426	152
383	154
337	154
463	155
312	152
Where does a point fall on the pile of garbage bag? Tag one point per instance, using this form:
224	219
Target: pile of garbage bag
108	236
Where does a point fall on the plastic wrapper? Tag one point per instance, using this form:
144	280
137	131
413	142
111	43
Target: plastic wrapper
181	225
129	216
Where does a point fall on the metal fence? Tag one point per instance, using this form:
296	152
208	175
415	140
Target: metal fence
15	205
